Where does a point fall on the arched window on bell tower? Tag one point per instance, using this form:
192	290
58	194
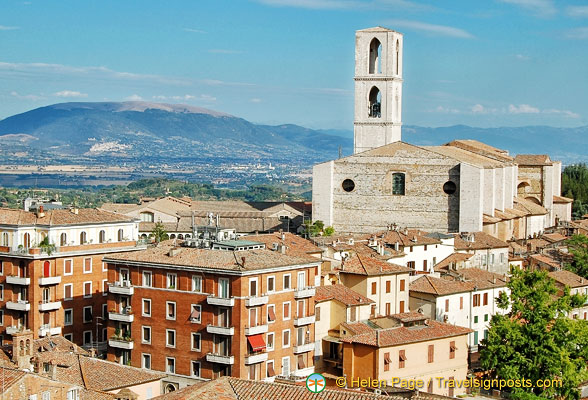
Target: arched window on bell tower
375	56
397	59
375	103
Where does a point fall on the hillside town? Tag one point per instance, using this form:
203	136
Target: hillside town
419	253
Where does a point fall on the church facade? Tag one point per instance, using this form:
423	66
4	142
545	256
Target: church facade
462	186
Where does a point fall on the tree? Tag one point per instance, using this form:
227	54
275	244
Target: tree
159	233
535	339
578	247
329	231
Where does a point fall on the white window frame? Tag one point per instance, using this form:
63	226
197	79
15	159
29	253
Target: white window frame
104	287
284	281
285	346
1	317
257	288
143	308
84	337
273	277
289	365
65	298
84	265
143	328
84	314
150	274
192	368
194	279
168	281
199	307
65	319
273	335
143	356
87	296
2	266
2	292
289	311
268	307
104	267
167	365
167	304
167	331
68	336
72	266
199	348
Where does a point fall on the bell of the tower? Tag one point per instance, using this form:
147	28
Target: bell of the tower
378	88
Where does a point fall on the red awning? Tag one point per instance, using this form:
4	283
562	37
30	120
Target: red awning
271	314
256	341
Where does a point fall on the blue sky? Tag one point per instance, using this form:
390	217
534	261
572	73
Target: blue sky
482	63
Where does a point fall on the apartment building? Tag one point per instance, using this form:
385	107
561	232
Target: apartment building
52	279
407	346
199	313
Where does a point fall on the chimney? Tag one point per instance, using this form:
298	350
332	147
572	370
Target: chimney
53	369
174	252
283	236
242	262
283	249
40	213
75	210
494	280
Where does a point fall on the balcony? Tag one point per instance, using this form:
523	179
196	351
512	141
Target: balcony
303	348
255	358
121	287
256	301
219	359
125	316
303	373
220	330
17	280
304	292
221	301
304	320
47	330
49	280
121	343
11	330
47	305
256	330
20	305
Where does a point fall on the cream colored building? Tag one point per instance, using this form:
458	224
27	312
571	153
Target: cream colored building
407	346
577	285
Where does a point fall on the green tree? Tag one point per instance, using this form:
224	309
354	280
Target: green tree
574	184
535	340
159	233
329	231
578	247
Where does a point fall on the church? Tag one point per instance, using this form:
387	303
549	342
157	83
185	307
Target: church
461	186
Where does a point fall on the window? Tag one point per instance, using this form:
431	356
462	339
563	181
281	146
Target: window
88	314
170	365
431	353
196	369
402	285
146	307
401	310
286	311
348	185
461	303
387	361
87	338
104	267
146	363
388	309
69	336
452	349
83	238
411	264
476	300
147	279
286	338
104	312
271	284
388	286
270	341
485	317
68	267
286	281
195	341
375	57
271	313
317	313
269	369
475	319
147	216
104	287
196	283
401	358
375	103
170	338
425	266
286	366
5	239
446	305
1	267
33	397
352	314
374	287
73	394
398	180
68	291
485	299
253	287
102	236
171	281
120	235
88	289
87	265
449	187
146	337
170	307
1	317
195	314
475	338
223	288
68	316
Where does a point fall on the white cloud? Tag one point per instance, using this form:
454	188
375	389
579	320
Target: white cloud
441	30
186	97
134	97
577	11
577	33
8	28
523	109
70	93
447	110
194	30
32	97
565	113
342	4
522	57
540	8
224	51
255	100
478	109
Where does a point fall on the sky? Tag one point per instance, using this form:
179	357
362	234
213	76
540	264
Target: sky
484	63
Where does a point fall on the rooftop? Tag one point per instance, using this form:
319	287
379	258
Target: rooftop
568	278
481	240
473	279
295	245
59	217
533	160
342	294
364	265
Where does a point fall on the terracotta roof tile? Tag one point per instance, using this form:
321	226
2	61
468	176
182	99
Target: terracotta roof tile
562	199
405	237
57	217
342	294
452	259
528	207
532	159
361	265
544	259
568	278
295	245
481	241
473	278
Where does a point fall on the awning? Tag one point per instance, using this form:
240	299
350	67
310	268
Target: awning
402	356
271	315
301	363
387	358
270	370
256	341
195	314
452	346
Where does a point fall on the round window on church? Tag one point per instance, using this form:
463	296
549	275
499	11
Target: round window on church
449	187
348	185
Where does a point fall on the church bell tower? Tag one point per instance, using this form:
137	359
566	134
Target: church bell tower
378	88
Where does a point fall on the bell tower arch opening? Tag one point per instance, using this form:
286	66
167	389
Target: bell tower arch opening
375	103
375	57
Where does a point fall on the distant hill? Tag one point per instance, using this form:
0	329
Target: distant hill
134	131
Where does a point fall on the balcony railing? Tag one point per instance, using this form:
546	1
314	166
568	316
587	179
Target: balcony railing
220	359
256	330
11	330
124	316
304	320
49	305
121	287
255	358
18	280
304	292
303	373
303	348
220	330
48	330
20	305
221	301
121	343
49	280
256	301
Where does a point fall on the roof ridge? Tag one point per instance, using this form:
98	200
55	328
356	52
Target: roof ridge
361	263
432	285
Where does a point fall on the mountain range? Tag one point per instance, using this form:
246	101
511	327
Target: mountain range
139	130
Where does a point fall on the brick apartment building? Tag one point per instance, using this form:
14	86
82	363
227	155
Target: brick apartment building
52	279
202	313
